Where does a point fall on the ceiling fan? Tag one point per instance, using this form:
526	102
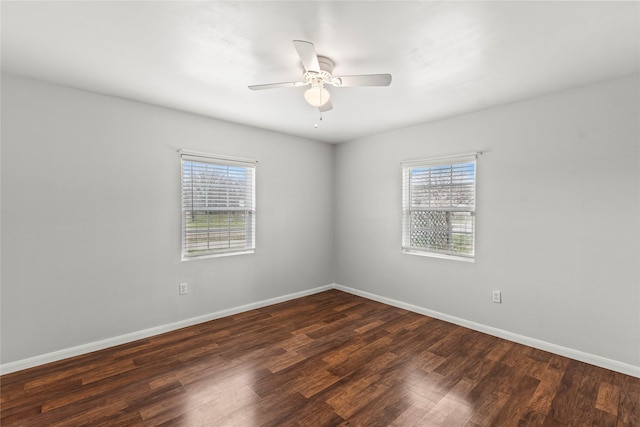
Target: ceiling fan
318	72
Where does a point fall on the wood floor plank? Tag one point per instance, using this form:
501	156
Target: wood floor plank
608	398
628	407
453	408
519	392
329	359
385	405
541	400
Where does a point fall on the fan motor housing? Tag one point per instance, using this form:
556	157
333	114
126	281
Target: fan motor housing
326	64
324	75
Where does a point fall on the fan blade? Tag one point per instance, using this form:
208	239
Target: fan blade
307	53
277	85
326	107
365	80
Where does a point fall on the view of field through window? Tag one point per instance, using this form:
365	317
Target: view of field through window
218	208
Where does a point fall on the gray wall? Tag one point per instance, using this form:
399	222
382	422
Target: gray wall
91	218
558	213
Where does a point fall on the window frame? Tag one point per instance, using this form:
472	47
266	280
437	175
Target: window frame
408	208
209	163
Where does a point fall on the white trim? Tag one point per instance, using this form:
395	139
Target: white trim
199	156
437	255
218	255
434	161
581	356
592	359
54	356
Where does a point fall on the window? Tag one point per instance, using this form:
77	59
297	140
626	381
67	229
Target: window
438	207
218	206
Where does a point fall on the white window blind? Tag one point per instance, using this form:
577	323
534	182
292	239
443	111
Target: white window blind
218	206
438	206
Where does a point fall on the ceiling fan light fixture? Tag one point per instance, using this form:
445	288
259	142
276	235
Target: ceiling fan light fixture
317	96
318	72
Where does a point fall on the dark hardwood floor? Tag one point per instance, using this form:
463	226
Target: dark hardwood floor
330	359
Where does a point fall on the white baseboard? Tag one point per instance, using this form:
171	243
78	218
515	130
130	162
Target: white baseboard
31	362
592	359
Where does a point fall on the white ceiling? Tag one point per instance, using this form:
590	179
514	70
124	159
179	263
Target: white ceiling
446	58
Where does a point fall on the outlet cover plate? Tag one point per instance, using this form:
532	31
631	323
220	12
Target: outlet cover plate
496	296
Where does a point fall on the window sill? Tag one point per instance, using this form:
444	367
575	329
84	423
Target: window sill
437	255
195	258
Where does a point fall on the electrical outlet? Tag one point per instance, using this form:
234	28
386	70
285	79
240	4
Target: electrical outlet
182	288
496	296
